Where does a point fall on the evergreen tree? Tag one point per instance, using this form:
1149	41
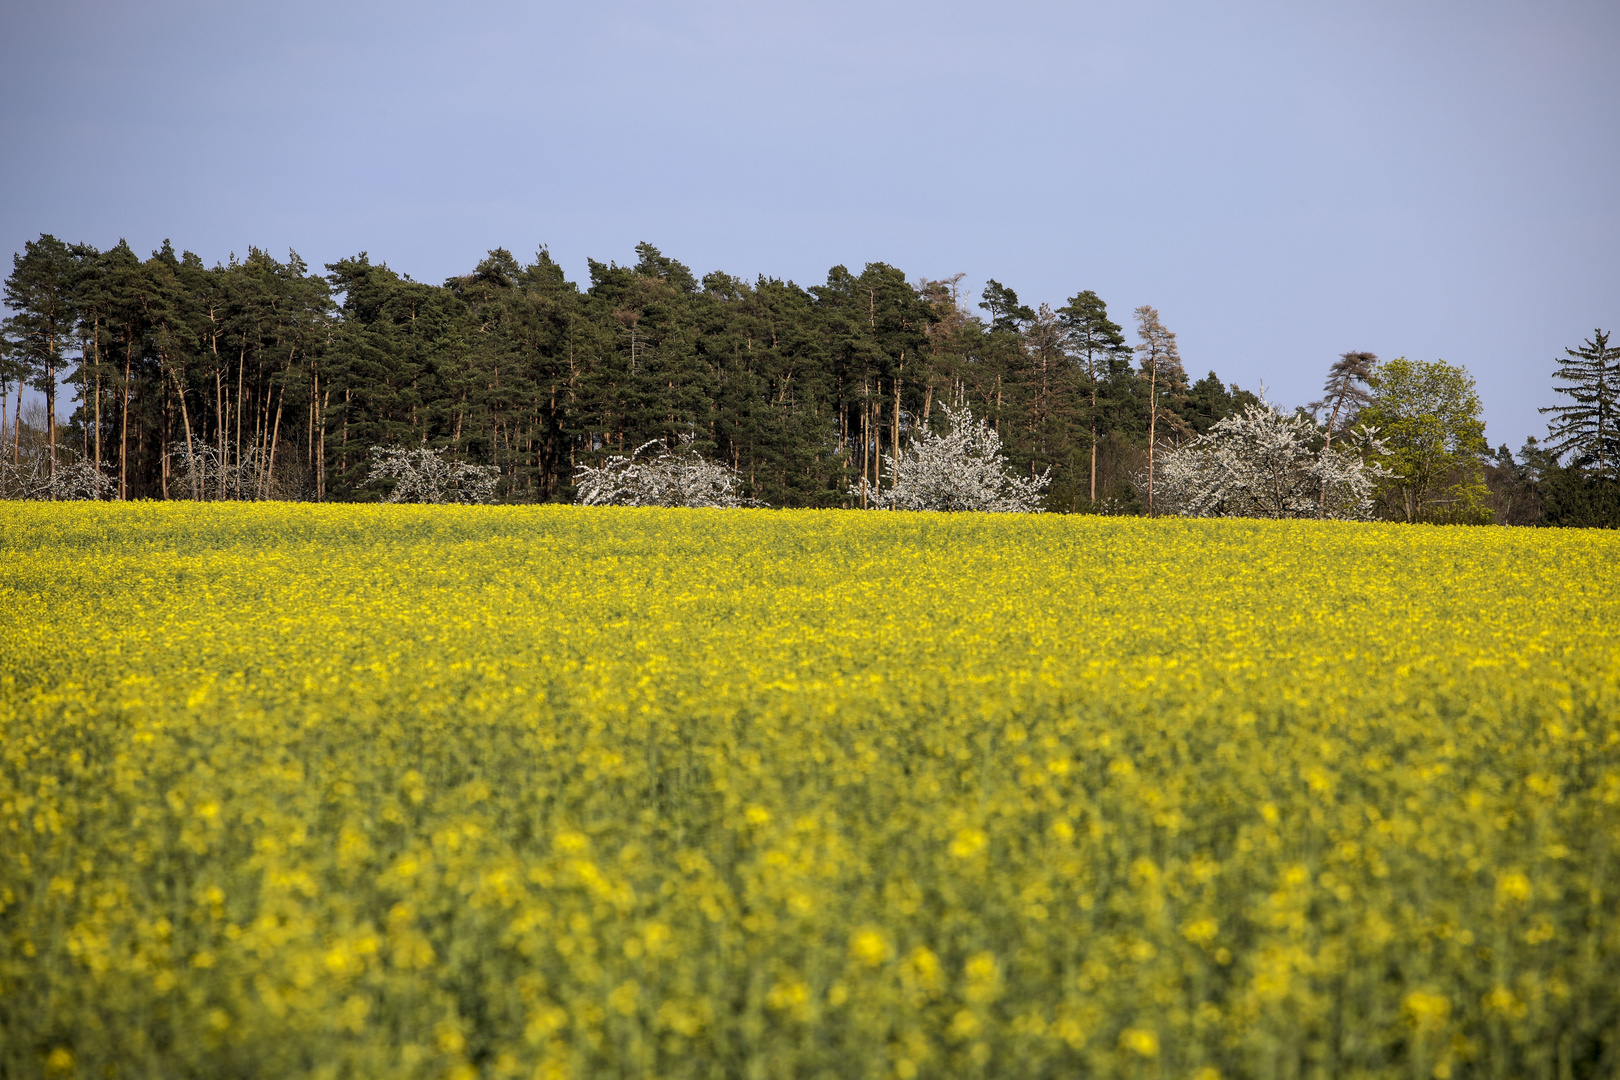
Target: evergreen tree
1345	392
1006	313
1048	394
40	330
1344	395
1161	369
1098	344
1589	428
243	380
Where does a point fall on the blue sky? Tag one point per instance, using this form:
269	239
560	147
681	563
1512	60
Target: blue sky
1282	181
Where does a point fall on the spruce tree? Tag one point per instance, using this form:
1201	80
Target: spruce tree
1590	427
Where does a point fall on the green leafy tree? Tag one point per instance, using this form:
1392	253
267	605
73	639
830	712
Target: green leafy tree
1428	415
1589	427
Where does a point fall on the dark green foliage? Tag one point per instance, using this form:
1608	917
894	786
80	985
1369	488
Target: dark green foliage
1588	428
1006	313
1514	497
284	379
1573	479
1538	490
1577	497
1210	401
39	332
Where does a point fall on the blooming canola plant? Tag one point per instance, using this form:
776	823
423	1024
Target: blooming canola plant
578	791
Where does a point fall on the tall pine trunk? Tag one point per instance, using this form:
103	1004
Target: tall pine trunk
123	432
1153	420
185	418
50	405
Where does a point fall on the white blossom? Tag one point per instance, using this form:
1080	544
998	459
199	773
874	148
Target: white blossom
32	479
1265	464
426	476
961	470
682	477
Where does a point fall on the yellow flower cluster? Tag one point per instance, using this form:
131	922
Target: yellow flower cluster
571	792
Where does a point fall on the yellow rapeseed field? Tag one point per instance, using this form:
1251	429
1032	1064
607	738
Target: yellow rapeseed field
397	791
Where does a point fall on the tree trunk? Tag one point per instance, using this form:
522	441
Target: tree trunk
1094	440
164	439
261	440
50	405
1153	420
863	455
275	436
191	454
98	419
343	460
220	420
320	468
123	433
241	362
84	388
894	434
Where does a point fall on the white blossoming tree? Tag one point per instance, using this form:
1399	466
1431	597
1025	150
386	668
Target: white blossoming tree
32	479
679	477
1265	464
426	476
961	470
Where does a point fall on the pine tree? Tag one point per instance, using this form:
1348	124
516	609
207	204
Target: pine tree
120	291
1589	428
1346	393
40	293
1161	367
1097	343
1006	313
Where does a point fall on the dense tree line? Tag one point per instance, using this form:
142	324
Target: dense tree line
261	378
284	378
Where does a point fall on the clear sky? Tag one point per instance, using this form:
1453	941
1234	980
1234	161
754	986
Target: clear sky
1283	181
